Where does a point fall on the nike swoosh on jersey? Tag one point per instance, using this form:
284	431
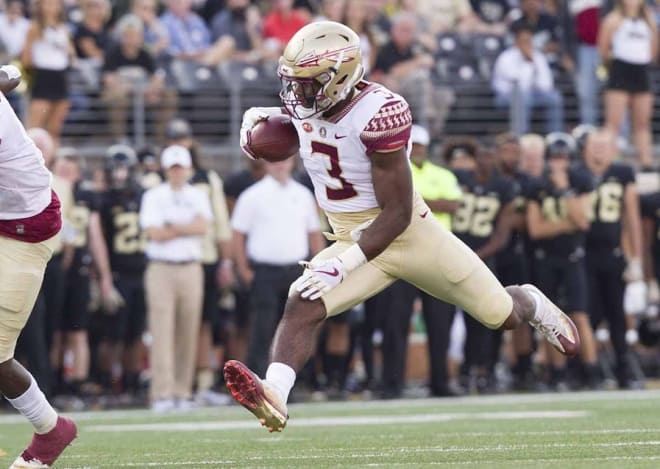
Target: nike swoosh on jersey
423	215
332	273
339	137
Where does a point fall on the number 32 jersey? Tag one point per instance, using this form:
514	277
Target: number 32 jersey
335	151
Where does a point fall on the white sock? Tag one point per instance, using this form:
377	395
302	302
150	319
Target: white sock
32	404
282	377
537	301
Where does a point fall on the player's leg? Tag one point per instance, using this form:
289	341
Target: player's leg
640	114
295	340
440	264
22	267
438	317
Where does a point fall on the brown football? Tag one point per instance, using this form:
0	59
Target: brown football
274	139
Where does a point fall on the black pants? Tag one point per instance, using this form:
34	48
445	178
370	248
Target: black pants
32	346
54	290
606	288
396	304
268	295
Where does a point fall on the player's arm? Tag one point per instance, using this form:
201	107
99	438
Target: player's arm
10	77
648	236
243	268
443	205
632	220
392	182
501	234
577	209
539	227
197	227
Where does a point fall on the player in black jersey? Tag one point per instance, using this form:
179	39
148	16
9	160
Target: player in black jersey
121	333
615	205
513	263
483	222
558	207
84	249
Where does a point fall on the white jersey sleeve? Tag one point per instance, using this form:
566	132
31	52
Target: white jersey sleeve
337	151
24	179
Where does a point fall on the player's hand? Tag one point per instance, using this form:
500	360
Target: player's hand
225	274
111	299
252	117
634	271
634	297
319	278
653	292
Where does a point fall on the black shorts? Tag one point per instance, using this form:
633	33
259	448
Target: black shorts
512	269
129	323
606	284
50	85
632	78
75	314
564	281
210	307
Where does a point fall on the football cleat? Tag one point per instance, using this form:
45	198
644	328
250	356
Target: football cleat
554	325
256	396
45	449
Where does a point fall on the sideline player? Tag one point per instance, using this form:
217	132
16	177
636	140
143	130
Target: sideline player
354	139
29	215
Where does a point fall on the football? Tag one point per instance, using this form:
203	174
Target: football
274	139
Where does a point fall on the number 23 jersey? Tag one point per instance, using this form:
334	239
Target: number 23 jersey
335	151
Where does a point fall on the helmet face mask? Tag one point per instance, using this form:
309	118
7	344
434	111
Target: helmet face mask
319	68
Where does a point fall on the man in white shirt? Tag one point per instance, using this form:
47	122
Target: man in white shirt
175	217
275	224
522	80
13	28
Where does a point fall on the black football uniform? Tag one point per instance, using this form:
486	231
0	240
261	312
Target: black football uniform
605	260
559	261
650	205
75	314
512	262
474	223
120	209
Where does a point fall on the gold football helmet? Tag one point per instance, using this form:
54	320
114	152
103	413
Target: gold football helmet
319	66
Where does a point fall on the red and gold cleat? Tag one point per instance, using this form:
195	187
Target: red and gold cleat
45	449
256	396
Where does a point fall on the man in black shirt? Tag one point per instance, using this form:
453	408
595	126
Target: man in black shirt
483	222
557	221
129	70
615	205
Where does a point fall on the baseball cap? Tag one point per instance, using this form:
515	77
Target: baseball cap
175	155
419	135
178	128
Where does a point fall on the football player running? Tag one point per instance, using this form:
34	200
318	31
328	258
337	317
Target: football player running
29	216
354	143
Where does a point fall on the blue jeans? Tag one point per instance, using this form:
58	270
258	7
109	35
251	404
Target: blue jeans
587	84
551	100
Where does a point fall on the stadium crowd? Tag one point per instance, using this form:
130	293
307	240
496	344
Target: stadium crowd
553	208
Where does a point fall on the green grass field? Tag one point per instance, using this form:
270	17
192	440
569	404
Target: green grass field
579	430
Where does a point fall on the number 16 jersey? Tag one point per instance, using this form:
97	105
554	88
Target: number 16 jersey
335	151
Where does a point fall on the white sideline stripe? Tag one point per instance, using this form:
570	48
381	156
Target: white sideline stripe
339	421
385	453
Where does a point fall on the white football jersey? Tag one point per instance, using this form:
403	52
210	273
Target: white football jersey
24	179
335	150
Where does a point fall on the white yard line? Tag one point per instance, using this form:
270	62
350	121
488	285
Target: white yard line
338	421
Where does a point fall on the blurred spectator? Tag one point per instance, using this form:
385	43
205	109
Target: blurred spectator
239	22
91	37
580	29
175	217
155	34
275	224
331	10
148	170
522	80
280	25
190	38
493	15
84	249
532	155
48	53
14	27
460	152
628	44
210	9
448	15
216	259
403	65
544	27
355	17
130	69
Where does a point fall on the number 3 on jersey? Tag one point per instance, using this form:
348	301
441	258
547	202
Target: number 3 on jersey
345	189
